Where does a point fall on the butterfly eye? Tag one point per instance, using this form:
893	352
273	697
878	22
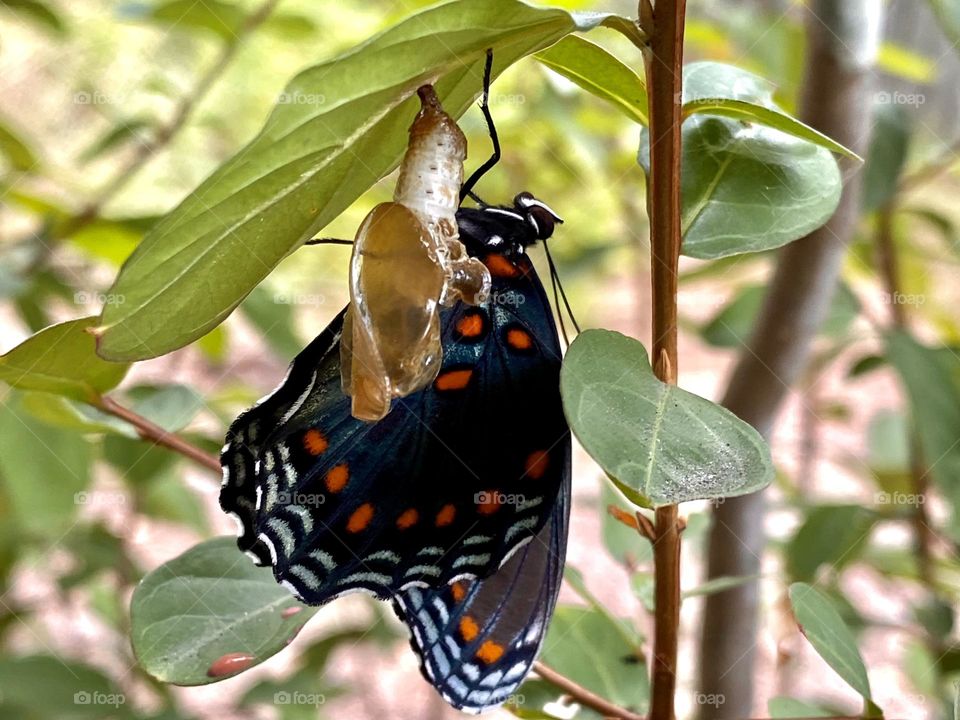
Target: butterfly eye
544	220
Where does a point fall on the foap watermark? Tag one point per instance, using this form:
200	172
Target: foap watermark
301	98
97	98
312	299
504	99
508	297
299	498
712	699
900	98
493	497
99	498
299	698
82	297
900	498
99	698
899	298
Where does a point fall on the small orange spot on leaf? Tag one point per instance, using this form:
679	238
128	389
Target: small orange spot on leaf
230	664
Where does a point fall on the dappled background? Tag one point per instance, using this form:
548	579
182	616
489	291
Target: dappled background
111	112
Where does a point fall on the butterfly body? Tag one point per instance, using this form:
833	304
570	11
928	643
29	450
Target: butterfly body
455	504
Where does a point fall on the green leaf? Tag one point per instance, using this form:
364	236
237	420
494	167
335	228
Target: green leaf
15	150
61	359
929	378
889	143
583	645
732	326
120	134
718	584
224	19
888	452
745	187
905	63
274	319
668	444
43	471
339	127
172	407
166	497
771	117
600	73
788	708
38	12
821	624
206	604
948	15
62	412
41	686
830	535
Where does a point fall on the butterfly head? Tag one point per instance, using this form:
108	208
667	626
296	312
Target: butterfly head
506	229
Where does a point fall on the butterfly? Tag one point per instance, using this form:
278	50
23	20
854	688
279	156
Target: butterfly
455	505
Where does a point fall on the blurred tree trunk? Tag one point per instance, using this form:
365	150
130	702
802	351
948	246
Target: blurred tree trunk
842	39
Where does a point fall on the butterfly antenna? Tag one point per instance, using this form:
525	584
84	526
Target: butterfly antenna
328	241
557	285
465	191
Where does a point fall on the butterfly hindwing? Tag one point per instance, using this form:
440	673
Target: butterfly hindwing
448	485
477	640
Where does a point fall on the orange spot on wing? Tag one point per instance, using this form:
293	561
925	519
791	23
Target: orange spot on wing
453	379
408	518
470	326
459	591
468	628
536	464
499	266
314	442
336	478
488	502
360	518
519	339
490	652
446	515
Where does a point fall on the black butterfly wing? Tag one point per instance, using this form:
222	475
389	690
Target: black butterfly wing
448	485
477	640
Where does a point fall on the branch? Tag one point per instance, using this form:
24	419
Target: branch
164	134
664	69
152	432
841	48
582	695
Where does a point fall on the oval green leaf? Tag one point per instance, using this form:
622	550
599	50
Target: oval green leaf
823	627
665	443
600	73
208	604
745	186
61	359
338	128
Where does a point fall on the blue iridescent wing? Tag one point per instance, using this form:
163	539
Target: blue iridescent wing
455	479
477	640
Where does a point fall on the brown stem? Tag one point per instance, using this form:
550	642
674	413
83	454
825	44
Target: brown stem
582	695
152	432
164	134
664	70
889	268
156	434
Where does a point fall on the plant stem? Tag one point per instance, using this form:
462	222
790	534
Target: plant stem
152	432
164	134
663	59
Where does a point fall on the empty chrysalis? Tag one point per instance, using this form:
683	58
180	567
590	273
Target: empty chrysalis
407	262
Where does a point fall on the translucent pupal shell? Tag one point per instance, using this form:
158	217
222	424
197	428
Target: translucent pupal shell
407	261
391	336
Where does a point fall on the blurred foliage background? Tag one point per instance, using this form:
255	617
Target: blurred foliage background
112	112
